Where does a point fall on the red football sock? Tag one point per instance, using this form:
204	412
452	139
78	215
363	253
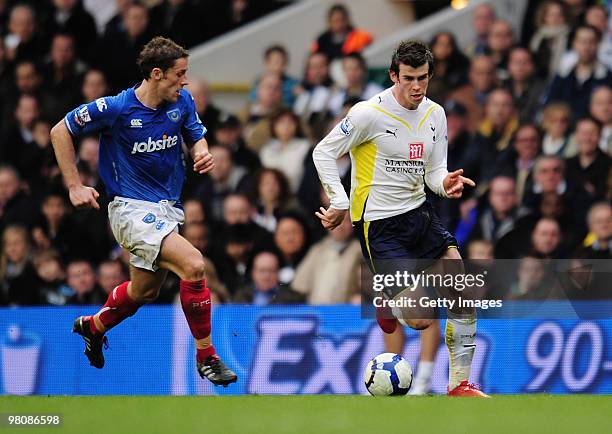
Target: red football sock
195	300
118	307
204	353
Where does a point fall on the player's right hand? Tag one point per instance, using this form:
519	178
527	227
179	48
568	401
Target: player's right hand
84	197
331	217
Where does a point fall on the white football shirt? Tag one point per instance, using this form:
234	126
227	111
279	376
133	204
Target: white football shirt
393	150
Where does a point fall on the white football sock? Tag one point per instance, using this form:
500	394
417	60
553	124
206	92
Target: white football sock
460	336
422	380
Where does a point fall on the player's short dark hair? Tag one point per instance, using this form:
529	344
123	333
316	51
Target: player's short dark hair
159	53
412	53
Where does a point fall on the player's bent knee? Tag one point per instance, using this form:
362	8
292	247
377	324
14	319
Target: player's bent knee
194	269
418	324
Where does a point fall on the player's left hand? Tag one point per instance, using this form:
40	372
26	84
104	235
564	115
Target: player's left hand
203	162
454	182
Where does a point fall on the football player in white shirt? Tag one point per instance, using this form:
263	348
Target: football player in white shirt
397	143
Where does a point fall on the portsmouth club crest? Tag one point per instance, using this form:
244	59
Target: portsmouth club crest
174	115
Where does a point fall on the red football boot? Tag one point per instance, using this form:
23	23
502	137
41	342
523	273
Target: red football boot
386	320
467	389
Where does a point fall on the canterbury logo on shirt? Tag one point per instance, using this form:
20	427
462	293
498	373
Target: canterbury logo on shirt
151	145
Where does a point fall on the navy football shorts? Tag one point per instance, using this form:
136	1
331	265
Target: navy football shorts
411	241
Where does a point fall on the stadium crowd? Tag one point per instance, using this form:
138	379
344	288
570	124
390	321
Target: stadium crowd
529	119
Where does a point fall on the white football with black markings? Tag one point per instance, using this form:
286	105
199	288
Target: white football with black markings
388	374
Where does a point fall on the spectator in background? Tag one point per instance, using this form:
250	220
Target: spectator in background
229	134
51	278
480	250
88	161
19	145
550	40
94	85
237	209
82	279
314	95
458	147
292	241
546	239
57	229
117	53
271	196
556	119
598	16
287	148
40	166
116	24
573	84
111	273
598	243
499	215
232	256
341	37
458	134
24	39
329	273
530	283
551	206
194	211
591	167
473	96
482	20
518	164
600	107
18	283
27	81
357	86
276	61
549	178
15	204
70	17
500	41
450	68
264	285
208	113
179	20
223	180
256	116
522	82
493	136
62	75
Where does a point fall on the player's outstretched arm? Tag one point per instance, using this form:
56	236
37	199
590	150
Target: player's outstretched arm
81	196
453	184
330	217
203	160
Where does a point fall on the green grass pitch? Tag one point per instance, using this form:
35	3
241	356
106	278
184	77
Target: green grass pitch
517	414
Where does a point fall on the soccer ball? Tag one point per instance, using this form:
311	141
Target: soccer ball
388	374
